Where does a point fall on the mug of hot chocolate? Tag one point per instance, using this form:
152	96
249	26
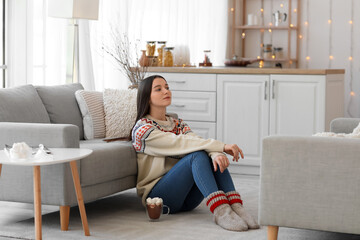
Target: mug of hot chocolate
154	208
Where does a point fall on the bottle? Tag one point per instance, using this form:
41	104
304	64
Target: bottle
168	57
160	51
150	48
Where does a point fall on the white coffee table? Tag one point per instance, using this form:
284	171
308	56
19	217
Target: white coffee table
60	155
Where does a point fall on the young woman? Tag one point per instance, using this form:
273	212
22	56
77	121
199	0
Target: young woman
180	167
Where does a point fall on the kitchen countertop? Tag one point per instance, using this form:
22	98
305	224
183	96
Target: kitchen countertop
245	70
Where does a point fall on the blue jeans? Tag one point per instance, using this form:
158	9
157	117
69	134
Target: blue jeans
191	180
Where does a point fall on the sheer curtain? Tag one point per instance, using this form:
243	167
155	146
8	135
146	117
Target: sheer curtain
37	46
186	24
38	43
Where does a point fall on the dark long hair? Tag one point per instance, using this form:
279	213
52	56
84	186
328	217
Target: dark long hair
143	98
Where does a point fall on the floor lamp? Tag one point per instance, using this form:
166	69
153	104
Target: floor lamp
73	10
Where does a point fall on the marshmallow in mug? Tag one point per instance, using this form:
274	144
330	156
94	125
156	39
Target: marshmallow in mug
20	150
156	200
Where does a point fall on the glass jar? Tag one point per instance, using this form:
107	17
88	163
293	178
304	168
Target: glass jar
267	51
168	57
278	52
160	50
150	48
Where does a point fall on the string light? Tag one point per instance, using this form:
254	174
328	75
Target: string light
331	57
352	93
307	34
300	36
243	35
232	9
262	10
270	24
295	10
291	25
281	5
270	30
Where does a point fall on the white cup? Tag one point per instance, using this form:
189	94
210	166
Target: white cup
252	19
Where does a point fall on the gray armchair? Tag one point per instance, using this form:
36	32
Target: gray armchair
311	182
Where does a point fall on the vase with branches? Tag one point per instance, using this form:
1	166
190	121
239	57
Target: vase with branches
125	54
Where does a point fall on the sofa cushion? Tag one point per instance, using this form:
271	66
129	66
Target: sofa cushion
61	104
91	105
109	161
22	104
120	112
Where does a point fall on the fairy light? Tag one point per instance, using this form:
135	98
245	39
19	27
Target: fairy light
243	35
273	56
270	30
352	93
258	57
232	9
281	5
307	34
291	25
331	57
301	36
262	10
295	10
270	24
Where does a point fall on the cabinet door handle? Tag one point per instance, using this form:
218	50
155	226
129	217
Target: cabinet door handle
178	81
179	105
265	90
273	89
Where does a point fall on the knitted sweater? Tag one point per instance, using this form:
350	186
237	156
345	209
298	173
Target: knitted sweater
161	144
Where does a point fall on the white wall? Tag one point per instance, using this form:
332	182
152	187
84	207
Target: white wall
319	41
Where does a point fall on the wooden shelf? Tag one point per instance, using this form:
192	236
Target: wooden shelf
247	27
291	49
280	60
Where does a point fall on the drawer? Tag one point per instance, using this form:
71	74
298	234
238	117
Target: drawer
190	81
196	106
203	129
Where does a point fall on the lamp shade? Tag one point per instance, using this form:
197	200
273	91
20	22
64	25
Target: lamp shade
74	9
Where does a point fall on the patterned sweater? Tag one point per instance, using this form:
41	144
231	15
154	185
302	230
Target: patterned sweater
161	144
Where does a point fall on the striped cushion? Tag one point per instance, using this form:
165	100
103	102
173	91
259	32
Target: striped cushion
91	105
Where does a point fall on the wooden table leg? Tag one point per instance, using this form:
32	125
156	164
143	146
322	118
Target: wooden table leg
0	168
37	202
64	217
272	232
80	199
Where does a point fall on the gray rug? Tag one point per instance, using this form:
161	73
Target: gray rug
122	217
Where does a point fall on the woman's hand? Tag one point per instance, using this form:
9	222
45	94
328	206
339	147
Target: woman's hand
234	151
222	161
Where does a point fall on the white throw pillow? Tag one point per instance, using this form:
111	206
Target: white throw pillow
120	112
91	105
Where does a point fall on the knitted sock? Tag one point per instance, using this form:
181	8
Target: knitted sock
224	216
236	205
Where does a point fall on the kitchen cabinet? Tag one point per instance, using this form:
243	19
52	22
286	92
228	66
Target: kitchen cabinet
244	105
251	107
194	100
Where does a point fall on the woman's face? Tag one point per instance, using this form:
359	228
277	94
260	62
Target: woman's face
160	93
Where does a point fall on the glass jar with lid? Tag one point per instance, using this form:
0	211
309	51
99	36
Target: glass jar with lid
278	52
168	57
160	50
150	48
267	51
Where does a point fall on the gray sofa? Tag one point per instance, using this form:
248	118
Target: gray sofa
50	115
311	182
